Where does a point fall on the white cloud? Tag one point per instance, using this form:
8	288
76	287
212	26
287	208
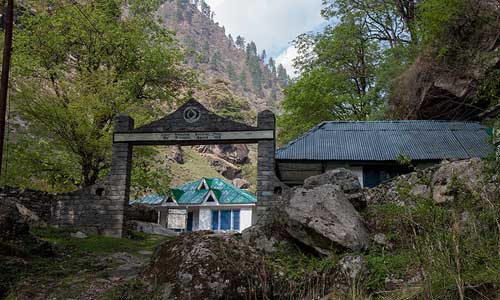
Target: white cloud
272	24
286	59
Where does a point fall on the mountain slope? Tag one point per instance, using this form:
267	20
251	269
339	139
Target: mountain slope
216	56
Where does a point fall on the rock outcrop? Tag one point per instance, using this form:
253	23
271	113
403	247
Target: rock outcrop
318	216
241	183
223	167
15	237
439	183
448	86
236	154
176	155
207	266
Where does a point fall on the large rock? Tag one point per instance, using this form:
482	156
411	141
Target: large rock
241	183
441	183
206	266
318	217
175	154
226	169
323	218
236	154
150	228
12	223
345	180
15	236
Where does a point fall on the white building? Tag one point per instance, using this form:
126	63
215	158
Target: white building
205	204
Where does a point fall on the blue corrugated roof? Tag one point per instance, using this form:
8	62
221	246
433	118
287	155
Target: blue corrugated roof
388	140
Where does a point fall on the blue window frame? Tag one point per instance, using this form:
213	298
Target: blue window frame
236	219
225	220
215	220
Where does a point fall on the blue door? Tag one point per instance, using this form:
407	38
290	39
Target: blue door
190	221
215	220
225	220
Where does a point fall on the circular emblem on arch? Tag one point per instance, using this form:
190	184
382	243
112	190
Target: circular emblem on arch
191	114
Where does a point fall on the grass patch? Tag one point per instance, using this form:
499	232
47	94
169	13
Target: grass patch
99	244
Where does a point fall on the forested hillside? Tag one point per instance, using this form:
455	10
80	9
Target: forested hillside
217	55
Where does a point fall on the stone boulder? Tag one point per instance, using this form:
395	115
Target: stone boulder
441	183
241	183
176	155
226	169
149	228
15	237
317	217
323	218
347	182
206	266
236	154
12	223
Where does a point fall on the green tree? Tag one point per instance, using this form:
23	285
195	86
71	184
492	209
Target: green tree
337	81
282	75
215	62
272	67
73	75
388	21
240	42
231	72
243	79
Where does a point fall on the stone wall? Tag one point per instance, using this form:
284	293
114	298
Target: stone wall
41	203
100	208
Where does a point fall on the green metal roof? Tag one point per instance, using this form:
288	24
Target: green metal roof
224	192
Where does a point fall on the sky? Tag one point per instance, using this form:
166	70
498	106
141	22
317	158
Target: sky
271	24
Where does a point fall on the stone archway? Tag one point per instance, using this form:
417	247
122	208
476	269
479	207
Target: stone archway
101	207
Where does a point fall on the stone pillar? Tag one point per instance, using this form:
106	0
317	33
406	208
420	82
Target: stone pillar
265	166
118	184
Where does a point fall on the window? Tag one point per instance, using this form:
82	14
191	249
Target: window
226	219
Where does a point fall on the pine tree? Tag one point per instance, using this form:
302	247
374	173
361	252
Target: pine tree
231	72
231	41
263	55
282	75
243	80
205	8
251	50
215	62
240	42
179	15
274	94
272	67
